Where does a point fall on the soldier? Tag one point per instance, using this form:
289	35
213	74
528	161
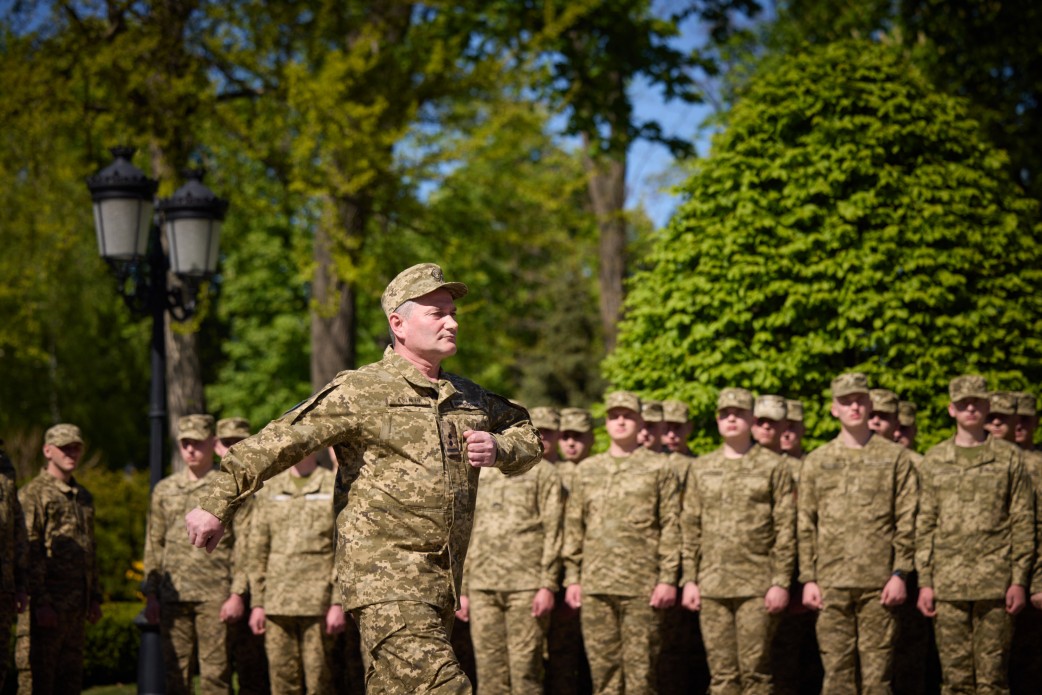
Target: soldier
1025	673
739	547
769	422
856	513
410	440
677	428
907	429
1002	415
567	670
974	542
883	420
247	649
62	569
622	546
792	437
13	560
513	569
1027	421
654	426
296	601
190	595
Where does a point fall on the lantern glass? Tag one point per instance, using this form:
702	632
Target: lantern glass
122	226
193	245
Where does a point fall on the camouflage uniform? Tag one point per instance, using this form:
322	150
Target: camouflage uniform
289	558
191	587
515	550
408	493
13	560
856	513
739	539
622	538
974	538
62	574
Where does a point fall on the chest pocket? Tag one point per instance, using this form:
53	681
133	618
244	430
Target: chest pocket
637	493
982	494
875	481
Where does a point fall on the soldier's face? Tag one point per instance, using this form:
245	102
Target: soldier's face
883	424
970	413
734	422
651	434
1000	426
623	424
225	443
905	435
549	439
429	329
768	432
792	437
676	435
64	457
1024	432
196	452
575	446
852	410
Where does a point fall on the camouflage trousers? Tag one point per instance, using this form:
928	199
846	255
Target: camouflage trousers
856	636
183	626
300	654
508	642
406	649
566	662
623	638
50	659
248	658
737	634
973	639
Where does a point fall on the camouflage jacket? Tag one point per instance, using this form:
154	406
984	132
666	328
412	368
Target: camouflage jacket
738	524
408	490
622	530
518	529
13	540
856	514
291	545
975	533
1033	467
174	569
59	522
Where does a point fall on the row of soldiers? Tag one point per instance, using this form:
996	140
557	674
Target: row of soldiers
725	536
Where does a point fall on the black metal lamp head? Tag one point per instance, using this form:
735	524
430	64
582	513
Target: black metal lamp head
123	199
192	218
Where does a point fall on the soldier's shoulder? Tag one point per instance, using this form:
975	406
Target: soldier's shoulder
170	485
939	452
1008	449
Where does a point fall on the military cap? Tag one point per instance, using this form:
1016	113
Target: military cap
769	406
63	434
735	398
576	420
195	427
230	427
849	383
675	411
1025	403
1003	402
884	400
622	399
415	282
906	413
545	418
794	410
968	386
651	411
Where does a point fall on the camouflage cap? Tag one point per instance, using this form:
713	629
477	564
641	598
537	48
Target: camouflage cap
794	410
651	411
63	434
968	386
675	411
415	282
576	420
770	407
545	418
1003	402
195	427
906	413
231	427
849	383
735	398
884	400
1026	404
622	399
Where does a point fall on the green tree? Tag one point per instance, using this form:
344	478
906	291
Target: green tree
850	217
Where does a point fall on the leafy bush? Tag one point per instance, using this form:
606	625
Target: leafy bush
112	646
120	511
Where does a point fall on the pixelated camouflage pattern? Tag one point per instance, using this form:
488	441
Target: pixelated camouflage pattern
14	543
407	489
906	413
849	383
1033	467
190	629
884	400
856	514
416	281
623	399
300	654
508	641
771	407
174	569
62	434
738	524
735	398
289	556
518	531
737	633
62	569
967	386
622	531
973	642
623	643
856	636
975	533
198	426
233	427
1003	403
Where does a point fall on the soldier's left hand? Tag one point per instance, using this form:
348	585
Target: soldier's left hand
335	620
1016	599
894	593
1036	600
481	448
232	609
776	600
542	603
664	596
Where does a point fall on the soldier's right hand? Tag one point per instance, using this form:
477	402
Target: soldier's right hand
204	529
691	599
812	596
925	604
463	614
573	596
257	619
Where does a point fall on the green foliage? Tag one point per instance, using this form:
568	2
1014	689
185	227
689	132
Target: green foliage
850	218
111	649
120	512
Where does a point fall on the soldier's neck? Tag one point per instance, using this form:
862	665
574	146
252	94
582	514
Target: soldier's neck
853	438
623	448
737	448
970	437
200	471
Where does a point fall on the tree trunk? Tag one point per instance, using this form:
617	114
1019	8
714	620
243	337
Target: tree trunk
607	190
184	382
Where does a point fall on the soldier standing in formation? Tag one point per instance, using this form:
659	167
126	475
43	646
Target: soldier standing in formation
622	547
62	569
296	598
768	425
513	569
191	595
13	560
1002	415
738	525
1025	666
410	440
906	426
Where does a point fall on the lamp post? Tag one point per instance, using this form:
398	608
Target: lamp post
129	241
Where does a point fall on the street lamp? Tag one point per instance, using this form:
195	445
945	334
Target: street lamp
129	241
